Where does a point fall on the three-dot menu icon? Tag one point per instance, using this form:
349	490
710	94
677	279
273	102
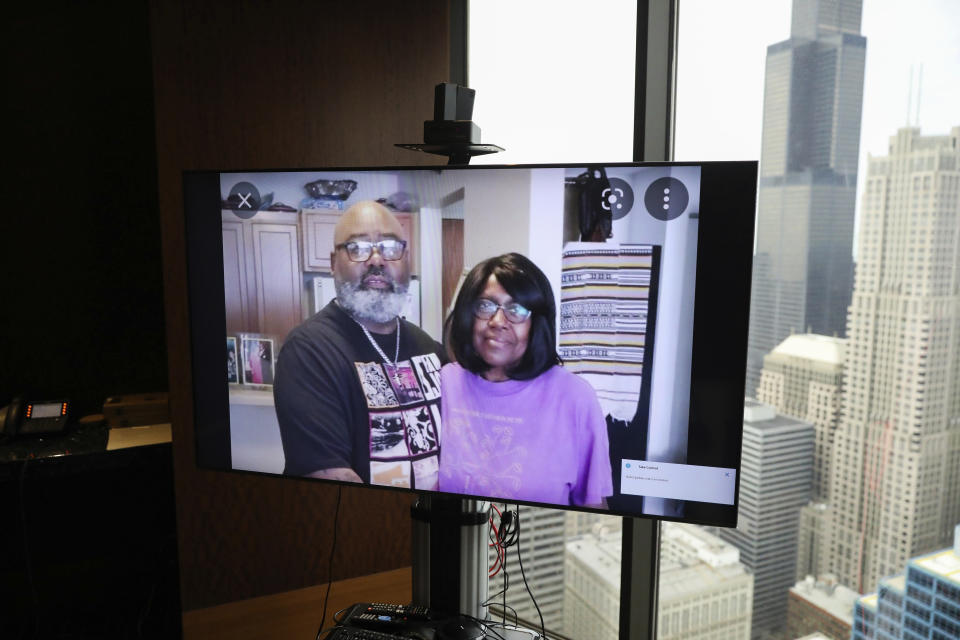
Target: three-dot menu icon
666	198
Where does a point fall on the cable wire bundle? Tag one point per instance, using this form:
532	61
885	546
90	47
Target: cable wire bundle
504	534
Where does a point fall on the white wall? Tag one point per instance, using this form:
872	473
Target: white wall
672	349
546	227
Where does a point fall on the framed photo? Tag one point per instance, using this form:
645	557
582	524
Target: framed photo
257	360
233	371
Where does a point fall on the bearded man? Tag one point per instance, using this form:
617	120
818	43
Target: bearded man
357	388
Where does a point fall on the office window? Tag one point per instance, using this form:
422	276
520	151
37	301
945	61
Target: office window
858	66
554	79
810	88
554	82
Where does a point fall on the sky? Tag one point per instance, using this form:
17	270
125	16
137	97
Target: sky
554	79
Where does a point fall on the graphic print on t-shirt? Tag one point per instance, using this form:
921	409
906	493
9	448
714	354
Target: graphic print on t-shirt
404	382
495	466
403	405
387	435
427	368
421	435
375	385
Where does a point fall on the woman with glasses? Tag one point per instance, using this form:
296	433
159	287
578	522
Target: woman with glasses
515	422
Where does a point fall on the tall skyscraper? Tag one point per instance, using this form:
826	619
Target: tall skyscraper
813	94
802	377
775	478
895	485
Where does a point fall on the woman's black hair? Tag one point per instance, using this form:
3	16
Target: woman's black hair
526	284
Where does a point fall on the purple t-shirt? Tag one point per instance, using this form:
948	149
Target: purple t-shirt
540	440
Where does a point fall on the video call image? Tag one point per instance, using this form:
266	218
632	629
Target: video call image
514	333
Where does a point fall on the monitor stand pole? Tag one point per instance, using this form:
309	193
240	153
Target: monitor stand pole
450	555
450	534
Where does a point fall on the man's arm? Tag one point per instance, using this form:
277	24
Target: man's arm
312	413
344	474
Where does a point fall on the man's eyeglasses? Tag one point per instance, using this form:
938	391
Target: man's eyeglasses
361	250
514	311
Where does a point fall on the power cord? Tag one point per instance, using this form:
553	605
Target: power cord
333	548
501	538
483	624
509	537
504	537
493	534
336	616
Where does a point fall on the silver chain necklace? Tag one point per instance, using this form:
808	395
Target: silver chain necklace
396	355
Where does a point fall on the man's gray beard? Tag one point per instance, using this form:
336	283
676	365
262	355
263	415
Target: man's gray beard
370	304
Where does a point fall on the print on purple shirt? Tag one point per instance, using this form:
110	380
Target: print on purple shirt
540	440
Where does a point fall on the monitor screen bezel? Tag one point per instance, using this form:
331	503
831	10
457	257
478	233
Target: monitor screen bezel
719	342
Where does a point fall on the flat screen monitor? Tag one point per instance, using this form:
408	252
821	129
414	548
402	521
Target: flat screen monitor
569	336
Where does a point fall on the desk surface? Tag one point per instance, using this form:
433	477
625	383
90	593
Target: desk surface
293	615
80	440
75	440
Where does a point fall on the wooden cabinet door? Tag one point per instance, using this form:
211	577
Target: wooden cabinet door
317	228
235	278
261	273
278	277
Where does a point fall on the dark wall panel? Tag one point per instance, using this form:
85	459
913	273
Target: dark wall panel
82	282
282	85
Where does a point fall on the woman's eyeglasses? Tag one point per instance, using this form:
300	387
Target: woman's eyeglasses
361	250
514	311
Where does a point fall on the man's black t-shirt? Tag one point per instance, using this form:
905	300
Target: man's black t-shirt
340	405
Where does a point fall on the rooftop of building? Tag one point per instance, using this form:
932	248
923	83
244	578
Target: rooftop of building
828	595
696	561
899	583
699	561
944	564
869	601
678	582
759	414
601	553
811	346
690	544
909	139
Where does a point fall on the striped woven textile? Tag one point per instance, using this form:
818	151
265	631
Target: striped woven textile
604	305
